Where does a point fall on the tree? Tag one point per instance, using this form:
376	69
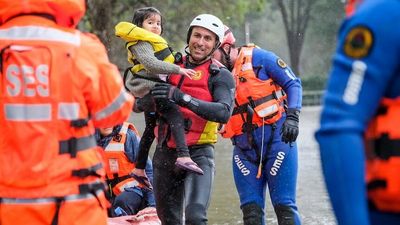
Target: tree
103	15
295	16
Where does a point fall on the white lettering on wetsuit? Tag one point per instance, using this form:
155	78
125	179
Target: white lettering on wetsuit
277	163
354	83
241	166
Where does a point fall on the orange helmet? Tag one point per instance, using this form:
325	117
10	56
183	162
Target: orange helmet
67	13
228	37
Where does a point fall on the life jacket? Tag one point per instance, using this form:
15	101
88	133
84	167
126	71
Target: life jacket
132	34
118	166
50	168
383	157
255	98
198	130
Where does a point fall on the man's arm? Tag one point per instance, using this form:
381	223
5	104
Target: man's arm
222	88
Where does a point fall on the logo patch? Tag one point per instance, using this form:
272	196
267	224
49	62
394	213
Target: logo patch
358	42
281	63
197	75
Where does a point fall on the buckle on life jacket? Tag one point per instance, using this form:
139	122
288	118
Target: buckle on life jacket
117	138
91	171
384	147
187	124
178	57
79	123
74	145
213	69
91	188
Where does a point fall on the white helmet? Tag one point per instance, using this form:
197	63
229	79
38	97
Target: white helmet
211	23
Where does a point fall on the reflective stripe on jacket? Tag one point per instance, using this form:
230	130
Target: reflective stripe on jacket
263	98
383	157
57	86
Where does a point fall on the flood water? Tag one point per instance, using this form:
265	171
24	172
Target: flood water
312	199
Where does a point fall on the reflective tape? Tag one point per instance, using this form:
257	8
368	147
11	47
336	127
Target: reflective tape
117	147
247	66
267	110
50	199
68	111
28	112
114	106
74	145
38	33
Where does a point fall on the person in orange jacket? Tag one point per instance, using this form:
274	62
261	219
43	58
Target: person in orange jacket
127	194
57	87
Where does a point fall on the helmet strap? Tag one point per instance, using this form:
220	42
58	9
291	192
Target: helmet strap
205	58
227	56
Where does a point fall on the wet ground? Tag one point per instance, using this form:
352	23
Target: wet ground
312	199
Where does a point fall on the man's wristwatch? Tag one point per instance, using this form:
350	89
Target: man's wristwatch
186	99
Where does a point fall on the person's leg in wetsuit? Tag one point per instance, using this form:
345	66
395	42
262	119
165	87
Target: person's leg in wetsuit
173	116
279	173
171	186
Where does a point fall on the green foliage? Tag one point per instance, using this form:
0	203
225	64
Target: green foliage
321	36
231	12
263	16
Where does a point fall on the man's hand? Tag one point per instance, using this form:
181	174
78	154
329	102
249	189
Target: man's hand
290	128
167	92
144	104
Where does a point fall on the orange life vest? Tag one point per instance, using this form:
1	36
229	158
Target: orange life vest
264	97
117	165
383	157
199	130
50	168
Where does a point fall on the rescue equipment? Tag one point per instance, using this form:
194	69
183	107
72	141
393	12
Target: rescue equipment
383	157
264	96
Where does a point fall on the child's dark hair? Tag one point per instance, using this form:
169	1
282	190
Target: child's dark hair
143	13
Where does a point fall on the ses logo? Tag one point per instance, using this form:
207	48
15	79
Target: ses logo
277	163
241	166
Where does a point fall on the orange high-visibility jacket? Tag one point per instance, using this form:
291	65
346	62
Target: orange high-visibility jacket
118	166
57	86
383	157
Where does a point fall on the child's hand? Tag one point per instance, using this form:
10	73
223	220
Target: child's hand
187	72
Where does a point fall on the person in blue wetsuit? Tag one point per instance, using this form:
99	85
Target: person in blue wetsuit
263	129
121	147
359	136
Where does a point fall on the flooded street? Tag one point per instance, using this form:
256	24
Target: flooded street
312	199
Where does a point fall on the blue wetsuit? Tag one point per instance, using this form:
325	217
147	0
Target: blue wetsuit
280	160
366	68
132	199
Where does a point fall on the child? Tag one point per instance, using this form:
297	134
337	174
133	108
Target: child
152	58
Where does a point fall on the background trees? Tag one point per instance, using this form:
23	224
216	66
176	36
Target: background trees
303	32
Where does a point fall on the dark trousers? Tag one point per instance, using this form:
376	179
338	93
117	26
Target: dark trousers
174	187
174	118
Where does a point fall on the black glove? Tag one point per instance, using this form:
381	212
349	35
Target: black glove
144	104
167	92
290	128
